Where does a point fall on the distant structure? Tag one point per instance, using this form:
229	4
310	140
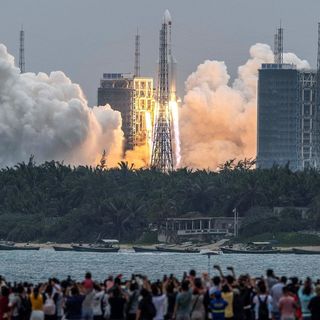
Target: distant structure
143	113
288	114
21	52
117	89
162	155
137	55
278	46
197	228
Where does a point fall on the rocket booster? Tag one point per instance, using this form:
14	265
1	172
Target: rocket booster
172	63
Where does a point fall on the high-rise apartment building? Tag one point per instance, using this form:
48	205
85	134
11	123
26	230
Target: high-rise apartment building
117	90
288	119
133	97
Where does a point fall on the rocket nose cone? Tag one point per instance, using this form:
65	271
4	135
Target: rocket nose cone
167	17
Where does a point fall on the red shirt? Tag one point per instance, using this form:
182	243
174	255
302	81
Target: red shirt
4	307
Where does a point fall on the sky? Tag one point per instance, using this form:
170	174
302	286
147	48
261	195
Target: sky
85	38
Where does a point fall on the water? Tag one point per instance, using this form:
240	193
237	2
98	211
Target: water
39	265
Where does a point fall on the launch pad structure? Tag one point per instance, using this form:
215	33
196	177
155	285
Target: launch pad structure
162	155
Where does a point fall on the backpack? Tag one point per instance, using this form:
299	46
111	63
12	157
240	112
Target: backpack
263	309
24	307
49	307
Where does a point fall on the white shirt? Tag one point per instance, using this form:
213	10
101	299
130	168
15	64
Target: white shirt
160	303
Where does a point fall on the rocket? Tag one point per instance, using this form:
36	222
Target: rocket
171	61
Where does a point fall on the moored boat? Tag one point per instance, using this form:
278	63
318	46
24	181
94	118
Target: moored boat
88	248
14	247
61	248
104	246
210	252
144	249
249	251
303	251
177	250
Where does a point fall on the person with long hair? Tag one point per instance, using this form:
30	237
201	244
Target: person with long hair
36	299
305	294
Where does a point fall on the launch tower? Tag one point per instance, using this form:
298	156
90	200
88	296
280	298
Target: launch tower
162	156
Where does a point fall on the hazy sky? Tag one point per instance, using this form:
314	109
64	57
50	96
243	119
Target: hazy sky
85	38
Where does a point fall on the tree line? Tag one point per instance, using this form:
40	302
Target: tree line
57	202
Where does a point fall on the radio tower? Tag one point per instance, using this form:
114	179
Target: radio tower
21	52
162	158
137	55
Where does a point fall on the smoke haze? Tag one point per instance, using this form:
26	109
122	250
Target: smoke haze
48	116
218	121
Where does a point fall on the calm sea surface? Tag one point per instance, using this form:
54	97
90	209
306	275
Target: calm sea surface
40	265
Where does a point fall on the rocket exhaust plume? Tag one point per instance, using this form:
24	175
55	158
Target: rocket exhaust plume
48	116
218	121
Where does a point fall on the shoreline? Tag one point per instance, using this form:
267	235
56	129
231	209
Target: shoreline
49	245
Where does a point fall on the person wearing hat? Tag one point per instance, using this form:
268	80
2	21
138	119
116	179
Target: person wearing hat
314	305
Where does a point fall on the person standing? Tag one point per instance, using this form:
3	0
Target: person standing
4	303
198	311
73	304
183	302
146	309
36	299
287	305
117	303
305	295
133	301
276	293
159	300
218	306
262	303
314	305
228	296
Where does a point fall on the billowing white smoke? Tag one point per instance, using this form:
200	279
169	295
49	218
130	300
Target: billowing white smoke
48	116
218	121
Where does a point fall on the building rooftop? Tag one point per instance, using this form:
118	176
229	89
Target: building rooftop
278	66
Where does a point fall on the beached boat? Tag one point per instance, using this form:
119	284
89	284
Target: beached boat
85	248
60	248
177	250
249	251
11	247
303	251
104	246
144	249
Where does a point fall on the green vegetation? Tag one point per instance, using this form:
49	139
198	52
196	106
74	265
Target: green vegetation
286	239
55	202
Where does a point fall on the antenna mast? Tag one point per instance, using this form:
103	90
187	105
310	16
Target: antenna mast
137	55
21	52
278	46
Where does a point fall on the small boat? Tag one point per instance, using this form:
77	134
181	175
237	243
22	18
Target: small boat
177	250
144	249
210	252
303	251
60	248
89	248
11	247
249	251
104	246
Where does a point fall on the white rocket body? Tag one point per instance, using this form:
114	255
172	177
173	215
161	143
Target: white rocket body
172	63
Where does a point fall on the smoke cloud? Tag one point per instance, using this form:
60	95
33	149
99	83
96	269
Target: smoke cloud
218	121
48	116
